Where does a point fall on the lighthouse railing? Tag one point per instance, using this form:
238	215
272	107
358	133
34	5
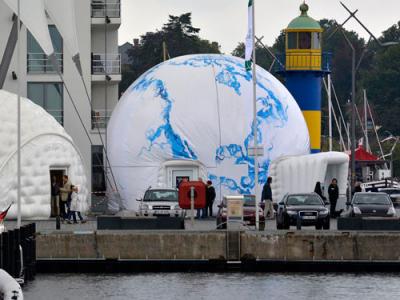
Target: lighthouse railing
301	61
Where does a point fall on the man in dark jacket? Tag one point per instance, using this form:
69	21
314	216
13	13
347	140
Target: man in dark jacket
210	197
333	192
267	197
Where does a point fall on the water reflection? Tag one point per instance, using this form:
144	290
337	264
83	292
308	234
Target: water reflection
214	286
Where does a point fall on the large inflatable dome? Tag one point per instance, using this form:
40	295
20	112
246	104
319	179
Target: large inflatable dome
192	117
45	146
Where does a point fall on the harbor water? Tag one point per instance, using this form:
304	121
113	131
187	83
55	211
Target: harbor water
219	286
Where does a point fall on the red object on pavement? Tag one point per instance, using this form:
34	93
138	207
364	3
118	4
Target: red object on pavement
199	194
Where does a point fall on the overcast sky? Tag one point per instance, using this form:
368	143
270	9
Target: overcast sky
225	21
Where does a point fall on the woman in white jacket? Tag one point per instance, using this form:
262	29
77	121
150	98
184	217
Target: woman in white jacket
76	205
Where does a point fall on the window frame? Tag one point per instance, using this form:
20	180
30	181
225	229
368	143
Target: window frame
46	98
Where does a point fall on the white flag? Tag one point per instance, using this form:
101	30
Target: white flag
33	16
249	36
62	13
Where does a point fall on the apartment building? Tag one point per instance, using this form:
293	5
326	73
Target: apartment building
97	22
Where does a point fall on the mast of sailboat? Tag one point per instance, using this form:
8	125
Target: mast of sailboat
19	118
330	110
366	121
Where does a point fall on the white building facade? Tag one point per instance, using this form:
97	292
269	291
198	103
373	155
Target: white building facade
97	23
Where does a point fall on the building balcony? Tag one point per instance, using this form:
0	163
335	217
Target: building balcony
39	63
100	118
106	67
303	61
106	12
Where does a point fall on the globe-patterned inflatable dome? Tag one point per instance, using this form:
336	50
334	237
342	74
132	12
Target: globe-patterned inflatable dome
44	145
199	108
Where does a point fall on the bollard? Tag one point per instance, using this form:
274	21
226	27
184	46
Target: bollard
58	225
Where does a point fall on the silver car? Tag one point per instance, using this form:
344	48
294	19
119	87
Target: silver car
161	202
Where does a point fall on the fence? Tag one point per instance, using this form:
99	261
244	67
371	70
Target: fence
18	252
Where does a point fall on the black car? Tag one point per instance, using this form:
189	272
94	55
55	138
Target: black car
394	194
370	205
303	210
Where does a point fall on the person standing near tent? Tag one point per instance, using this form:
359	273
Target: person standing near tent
75	206
210	197
266	196
55	194
318	190
333	192
65	190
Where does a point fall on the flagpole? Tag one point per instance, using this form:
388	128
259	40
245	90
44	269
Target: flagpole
255	120
19	119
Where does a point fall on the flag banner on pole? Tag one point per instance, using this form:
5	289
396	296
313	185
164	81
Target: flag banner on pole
33	16
249	37
4	214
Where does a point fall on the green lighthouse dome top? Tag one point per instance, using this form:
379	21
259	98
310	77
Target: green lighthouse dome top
304	21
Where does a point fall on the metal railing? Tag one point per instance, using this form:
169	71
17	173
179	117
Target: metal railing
304	62
39	63
103	8
100	118
106	64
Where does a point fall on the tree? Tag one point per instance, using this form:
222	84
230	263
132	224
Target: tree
263	58
180	37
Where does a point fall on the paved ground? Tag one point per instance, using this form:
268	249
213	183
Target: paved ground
49	225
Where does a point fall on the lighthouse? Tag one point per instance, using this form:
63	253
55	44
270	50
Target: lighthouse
303	66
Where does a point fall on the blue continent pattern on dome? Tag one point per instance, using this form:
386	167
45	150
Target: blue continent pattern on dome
270	110
180	148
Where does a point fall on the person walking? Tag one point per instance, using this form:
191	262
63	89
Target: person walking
266	196
210	197
333	192
75	205
357	188
318	190
54	201
65	191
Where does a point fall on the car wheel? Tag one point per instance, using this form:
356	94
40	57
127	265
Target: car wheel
327	224
298	223
286	224
278	225
318	226
261	226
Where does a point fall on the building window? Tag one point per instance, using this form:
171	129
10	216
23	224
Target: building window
37	60
304	40
316	40
98	178
48	95
292	40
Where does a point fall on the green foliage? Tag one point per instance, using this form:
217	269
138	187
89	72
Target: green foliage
180	38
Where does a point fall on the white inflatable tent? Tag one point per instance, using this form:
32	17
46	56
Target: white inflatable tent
45	147
192	117
299	174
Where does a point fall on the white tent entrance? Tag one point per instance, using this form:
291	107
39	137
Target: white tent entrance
174	171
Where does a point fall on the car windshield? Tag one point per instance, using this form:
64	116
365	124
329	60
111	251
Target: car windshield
304	200
161	195
378	199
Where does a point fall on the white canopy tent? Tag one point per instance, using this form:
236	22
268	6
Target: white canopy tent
44	146
299	174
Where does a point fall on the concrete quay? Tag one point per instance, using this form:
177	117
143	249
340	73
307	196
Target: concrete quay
217	250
